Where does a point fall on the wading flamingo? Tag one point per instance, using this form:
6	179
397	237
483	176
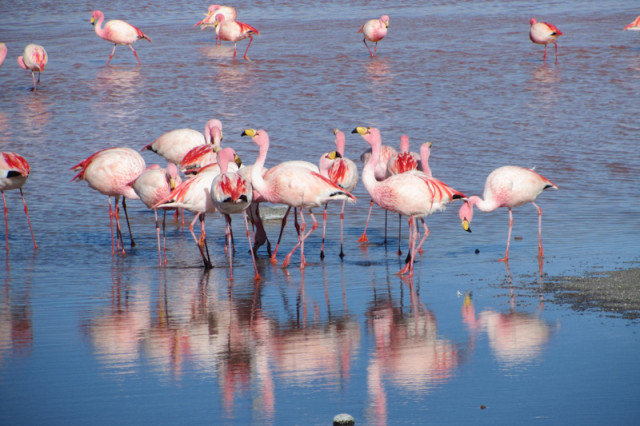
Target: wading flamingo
544	33
111	172
154	184
234	31
412	194
231	193
374	30
634	26
3	53
508	186
117	32
175	144
208	21
34	59
293	184
14	171
344	173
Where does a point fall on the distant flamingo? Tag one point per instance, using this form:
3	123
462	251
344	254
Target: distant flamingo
544	33
231	193
633	26
153	185
508	186
235	31
117	32
34	59
292	184
194	195
229	13
412	194
374	30
3	52
14	171
110	172
344	173
175	144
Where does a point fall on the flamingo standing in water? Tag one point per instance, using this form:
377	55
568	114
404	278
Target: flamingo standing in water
544	33
293	184
14	171
153	185
374	30
175	144
111	172
231	30
231	193
34	59
215	10
411	194
3	53
508	186
117	32
634	25
344	173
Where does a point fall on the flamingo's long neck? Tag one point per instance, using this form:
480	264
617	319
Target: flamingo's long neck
482	205
368	171
340	144
257	180
424	159
98	27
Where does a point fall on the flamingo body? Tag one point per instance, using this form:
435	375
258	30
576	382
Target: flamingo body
374	30
508	186
14	171
544	33
34	59
231	30
117	32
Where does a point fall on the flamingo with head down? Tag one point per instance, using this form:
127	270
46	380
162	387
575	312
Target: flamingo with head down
34	59
209	20
235	31
374	30
544	33
14	171
117	32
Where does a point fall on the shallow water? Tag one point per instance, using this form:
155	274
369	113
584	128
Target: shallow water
90	338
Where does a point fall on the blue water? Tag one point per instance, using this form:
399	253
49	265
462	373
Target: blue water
87	337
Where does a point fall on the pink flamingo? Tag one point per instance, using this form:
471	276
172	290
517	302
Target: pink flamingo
508	186
374	30
215	10
381	173
110	172
14	171
175	144
231	193
344	173
117	32
3	53
34	59
153	185
231	30
544	33
634	25
412	194
293	184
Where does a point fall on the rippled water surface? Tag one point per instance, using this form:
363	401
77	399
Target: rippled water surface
91	338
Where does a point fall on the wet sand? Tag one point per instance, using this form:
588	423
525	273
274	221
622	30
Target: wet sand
617	293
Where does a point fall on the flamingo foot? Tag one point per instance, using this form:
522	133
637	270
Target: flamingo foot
363	238
274	260
504	259
286	261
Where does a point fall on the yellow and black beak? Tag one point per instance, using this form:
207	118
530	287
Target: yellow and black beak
333	155
237	160
465	225
249	132
361	130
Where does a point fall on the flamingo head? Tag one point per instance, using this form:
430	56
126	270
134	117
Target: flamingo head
260	137
385	20
371	135
326	161
532	22
172	176
219	19
95	16
466	214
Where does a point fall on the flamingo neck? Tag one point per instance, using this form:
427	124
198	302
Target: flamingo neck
257	180
482	205
368	171
424	159
98	27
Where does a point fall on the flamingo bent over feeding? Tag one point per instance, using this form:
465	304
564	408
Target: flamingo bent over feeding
235	31
153	185
209	20
293	184
231	193
544	33
412	194
34	59
14	171
117	32
111	172
508	186
374	30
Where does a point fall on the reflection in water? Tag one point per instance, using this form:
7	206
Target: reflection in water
117	89
408	352
378	72
34	114
544	83
16	317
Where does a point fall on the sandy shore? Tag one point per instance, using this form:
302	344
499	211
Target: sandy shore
616	292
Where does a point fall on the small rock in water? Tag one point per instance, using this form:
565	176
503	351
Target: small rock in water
477	251
344	419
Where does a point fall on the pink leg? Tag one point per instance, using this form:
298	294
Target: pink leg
253	257
408	267
135	54
324	229
544	58
424	237
228	238
33	77
506	255
113	249
363	238
6	221
540	250
341	228
155	212
246	58
556	45
364	40
119	239
235	46
375	49
299	231
112	52
284	222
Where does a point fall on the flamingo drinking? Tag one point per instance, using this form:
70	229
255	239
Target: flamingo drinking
231	30
34	59
117	32
544	33
14	171
374	30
